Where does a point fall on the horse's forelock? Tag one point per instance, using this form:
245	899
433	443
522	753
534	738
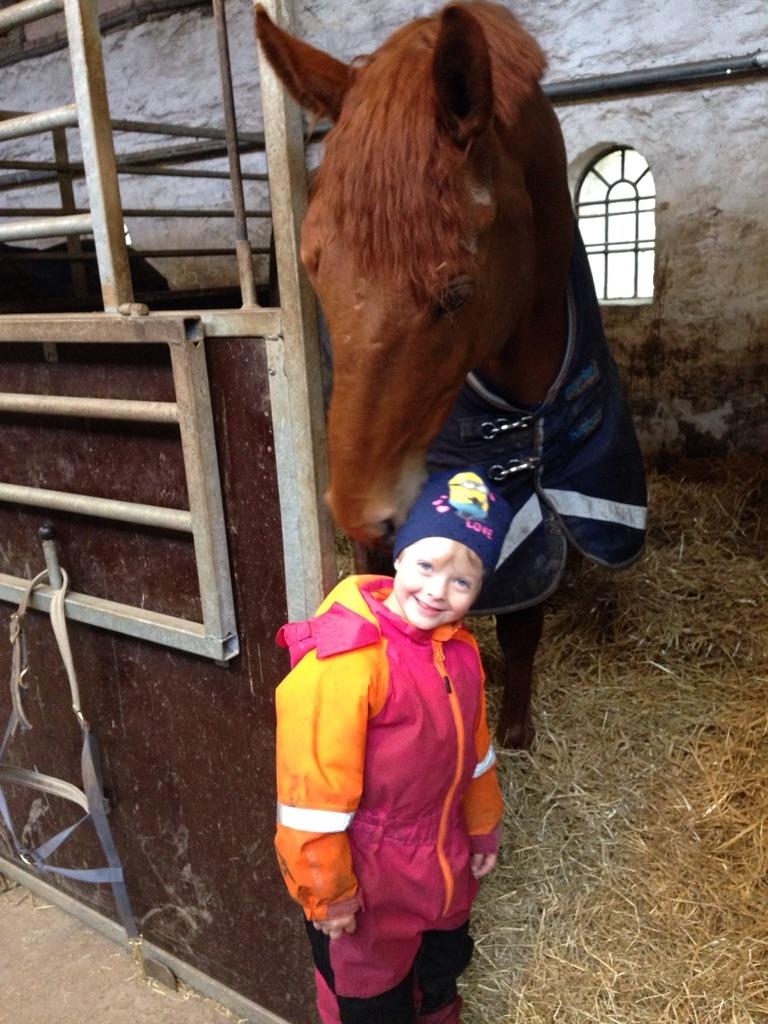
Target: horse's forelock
392	182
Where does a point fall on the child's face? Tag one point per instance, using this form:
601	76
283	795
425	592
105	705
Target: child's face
436	581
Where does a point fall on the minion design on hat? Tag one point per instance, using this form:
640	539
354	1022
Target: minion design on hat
468	495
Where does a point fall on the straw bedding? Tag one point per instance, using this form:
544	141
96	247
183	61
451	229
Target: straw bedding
633	885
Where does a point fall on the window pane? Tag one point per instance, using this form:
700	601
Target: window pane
621	206
646	186
621	275
634	164
647	230
597	265
592	230
610	166
645	262
621	228
592	189
623	190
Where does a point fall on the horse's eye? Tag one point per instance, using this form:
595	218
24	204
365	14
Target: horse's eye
455	295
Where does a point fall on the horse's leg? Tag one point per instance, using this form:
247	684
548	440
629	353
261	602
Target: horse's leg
518	634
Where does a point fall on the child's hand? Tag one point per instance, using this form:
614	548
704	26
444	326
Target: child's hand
336	926
482	864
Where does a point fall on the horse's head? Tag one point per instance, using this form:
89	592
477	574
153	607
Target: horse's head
421	238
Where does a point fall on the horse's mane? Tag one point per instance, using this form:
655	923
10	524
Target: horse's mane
392	180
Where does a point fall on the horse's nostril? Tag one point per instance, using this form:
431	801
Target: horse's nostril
388	532
382	533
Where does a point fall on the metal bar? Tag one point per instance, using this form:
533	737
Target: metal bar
130	16
195	131
103	508
26	11
244	257
242	1007
46	255
42	121
186	153
295	377
140	623
67	193
259	322
158	253
43	211
98	151
76	170
90	408
695	73
171	327
101	328
190	376
144	161
47	227
179	172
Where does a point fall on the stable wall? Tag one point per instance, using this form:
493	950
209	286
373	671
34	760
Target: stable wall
696	356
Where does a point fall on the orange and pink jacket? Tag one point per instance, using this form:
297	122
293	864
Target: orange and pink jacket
386	773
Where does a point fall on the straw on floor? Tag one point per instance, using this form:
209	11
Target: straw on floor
633	886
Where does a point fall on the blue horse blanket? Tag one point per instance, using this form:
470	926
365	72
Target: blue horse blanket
571	467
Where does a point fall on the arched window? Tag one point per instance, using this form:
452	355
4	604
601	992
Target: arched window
616	210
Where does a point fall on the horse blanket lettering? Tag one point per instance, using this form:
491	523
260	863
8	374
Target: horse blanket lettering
571	467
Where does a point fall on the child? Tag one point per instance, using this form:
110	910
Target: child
388	801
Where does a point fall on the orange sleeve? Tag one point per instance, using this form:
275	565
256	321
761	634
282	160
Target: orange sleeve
482	802
323	707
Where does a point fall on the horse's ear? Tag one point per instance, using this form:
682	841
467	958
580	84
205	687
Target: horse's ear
461	71
316	80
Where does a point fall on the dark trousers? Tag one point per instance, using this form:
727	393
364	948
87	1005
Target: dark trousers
441	959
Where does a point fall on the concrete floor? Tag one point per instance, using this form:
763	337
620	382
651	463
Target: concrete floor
56	970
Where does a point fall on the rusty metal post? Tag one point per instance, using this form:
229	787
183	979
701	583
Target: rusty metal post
242	247
98	151
67	193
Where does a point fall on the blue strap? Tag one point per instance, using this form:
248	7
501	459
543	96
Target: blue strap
92	797
91	766
6	816
44	851
112	875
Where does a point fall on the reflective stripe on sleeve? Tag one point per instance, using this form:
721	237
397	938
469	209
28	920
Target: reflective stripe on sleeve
305	819
486	764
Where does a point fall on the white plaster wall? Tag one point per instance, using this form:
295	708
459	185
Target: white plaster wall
696	357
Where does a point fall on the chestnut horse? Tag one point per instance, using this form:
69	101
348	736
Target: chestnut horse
438	239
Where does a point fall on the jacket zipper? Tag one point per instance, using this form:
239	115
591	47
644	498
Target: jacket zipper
459	723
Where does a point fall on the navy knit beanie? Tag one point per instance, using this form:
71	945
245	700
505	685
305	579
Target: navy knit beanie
460	505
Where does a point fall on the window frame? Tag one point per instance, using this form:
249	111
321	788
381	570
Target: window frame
642	204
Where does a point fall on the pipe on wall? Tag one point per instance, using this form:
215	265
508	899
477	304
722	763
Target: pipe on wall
717	71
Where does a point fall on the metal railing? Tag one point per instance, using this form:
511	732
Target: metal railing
215	636
289	333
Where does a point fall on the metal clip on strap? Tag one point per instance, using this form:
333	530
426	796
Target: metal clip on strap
492	428
502	470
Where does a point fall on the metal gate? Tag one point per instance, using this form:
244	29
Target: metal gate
218	412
